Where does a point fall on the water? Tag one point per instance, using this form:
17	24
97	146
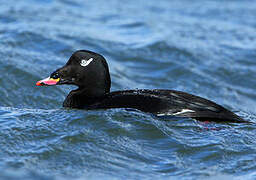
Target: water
202	47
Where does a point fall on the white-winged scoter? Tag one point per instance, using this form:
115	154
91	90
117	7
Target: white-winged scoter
89	71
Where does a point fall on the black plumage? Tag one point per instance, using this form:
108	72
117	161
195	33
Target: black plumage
89	71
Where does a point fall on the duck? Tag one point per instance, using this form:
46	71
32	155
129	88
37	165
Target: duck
89	71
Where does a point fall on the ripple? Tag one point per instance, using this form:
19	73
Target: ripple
31	41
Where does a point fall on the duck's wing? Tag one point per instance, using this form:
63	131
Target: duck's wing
189	105
168	103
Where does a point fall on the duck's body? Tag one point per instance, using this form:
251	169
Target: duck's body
89	71
158	102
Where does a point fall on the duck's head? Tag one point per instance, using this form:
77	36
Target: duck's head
85	69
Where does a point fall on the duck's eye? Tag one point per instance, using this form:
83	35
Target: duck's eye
83	62
86	62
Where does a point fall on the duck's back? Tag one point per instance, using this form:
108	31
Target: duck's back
166	103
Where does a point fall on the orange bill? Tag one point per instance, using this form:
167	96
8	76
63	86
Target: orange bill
48	82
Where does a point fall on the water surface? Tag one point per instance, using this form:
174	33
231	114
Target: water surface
205	48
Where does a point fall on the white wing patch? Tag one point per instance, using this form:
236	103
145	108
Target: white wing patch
177	113
184	111
86	62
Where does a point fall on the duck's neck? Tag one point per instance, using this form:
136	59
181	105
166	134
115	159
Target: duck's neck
82	98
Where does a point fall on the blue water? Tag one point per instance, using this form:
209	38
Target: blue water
207	48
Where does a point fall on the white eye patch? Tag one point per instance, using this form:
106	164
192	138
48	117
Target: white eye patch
86	62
